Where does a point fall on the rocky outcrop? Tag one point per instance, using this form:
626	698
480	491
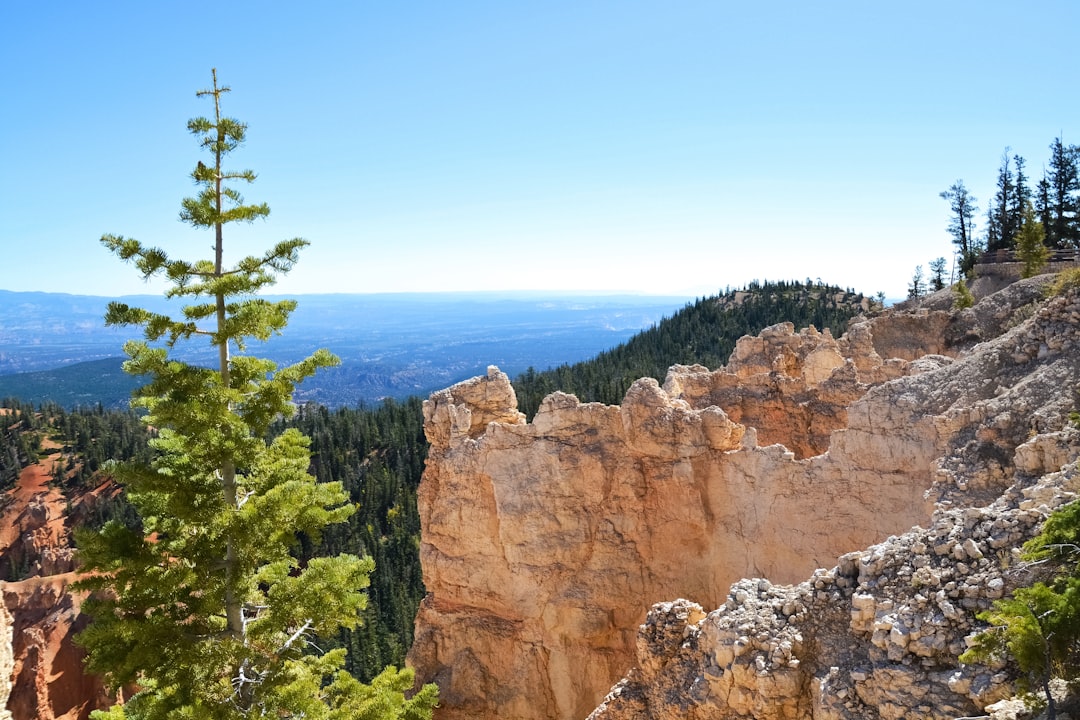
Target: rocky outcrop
878	635
545	543
7	661
49	682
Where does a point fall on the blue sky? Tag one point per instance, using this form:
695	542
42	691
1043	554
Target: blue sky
651	147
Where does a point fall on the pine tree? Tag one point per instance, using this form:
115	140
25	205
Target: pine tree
1042	206
1063	204
1031	247
205	608
937	274
1006	212
917	288
962	297
1000	223
1021	197
994	232
1039	625
962	224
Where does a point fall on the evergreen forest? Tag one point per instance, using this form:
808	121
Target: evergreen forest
20	440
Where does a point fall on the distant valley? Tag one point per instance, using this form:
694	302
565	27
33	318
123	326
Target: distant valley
55	346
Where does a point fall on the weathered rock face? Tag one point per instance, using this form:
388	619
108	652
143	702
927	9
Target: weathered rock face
7	661
39	615
49	682
878	635
544	543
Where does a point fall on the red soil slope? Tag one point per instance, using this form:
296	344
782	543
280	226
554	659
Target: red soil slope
36	550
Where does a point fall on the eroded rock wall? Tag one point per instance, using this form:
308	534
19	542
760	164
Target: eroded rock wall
48	678
7	661
544	543
40	615
877	636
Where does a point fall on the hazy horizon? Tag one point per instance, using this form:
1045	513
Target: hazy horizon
571	293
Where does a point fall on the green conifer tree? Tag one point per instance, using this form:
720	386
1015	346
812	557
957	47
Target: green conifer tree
1031	244
937	274
962	297
1001	225
962	225
1063	224
205	609
1038	626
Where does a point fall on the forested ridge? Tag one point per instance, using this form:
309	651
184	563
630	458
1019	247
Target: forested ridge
378	452
704	333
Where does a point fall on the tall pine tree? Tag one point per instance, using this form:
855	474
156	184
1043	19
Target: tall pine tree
1063	201
962	224
1042	206
205	608
999	225
1006	212
1022	196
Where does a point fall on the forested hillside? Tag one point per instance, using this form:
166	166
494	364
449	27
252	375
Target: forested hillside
377	453
703	332
19	441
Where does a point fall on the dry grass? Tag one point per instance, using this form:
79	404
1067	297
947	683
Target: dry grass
1065	281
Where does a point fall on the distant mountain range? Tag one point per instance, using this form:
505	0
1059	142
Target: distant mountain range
55	346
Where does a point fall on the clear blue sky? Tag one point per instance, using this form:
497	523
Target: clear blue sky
653	147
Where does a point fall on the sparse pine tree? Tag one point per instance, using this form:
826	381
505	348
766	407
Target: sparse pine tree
937	274
1038	626
1006	212
205	609
1022	195
1000	223
993	233
962	225
1042	208
917	288
1031	244
1028	627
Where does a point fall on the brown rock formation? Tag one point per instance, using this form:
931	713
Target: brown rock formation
878	635
875	637
7	661
544	543
49	682
40	616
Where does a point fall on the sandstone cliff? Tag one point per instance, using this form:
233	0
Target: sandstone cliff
545	543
